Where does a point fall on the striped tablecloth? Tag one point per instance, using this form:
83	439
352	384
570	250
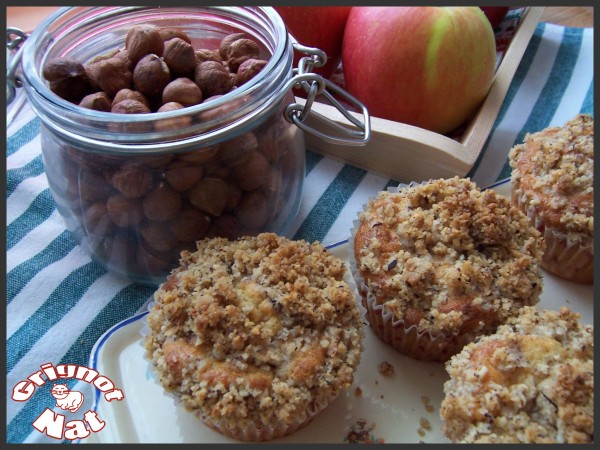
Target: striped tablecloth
59	302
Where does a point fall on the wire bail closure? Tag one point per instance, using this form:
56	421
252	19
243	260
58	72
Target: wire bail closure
315	85
14	38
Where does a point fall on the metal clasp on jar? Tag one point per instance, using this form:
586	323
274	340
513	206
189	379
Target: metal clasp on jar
14	48
316	85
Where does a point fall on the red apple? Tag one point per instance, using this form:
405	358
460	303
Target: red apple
317	26
495	14
425	66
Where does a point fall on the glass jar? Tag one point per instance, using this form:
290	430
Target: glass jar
137	189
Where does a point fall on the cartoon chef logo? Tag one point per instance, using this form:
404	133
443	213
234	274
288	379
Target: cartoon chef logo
66	399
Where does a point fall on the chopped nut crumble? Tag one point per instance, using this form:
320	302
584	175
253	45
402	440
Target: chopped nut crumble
553	183
255	331
531	382
554	169
386	369
447	257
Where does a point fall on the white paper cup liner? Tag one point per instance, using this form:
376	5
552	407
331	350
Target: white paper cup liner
253	432
563	256
410	341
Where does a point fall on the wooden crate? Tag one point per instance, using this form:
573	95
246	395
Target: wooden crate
405	152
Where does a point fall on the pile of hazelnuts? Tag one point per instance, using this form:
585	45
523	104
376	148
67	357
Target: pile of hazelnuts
137	212
157	70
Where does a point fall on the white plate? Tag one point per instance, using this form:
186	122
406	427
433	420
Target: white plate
400	408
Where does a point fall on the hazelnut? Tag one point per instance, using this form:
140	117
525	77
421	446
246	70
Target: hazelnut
212	78
226	42
132	180
253	173
67	78
93	187
269	145
170	106
190	225
253	211
151	75
98	101
151	261
92	161
226	226
155	161
204	54
212	97
180	57
130	94
200	155
142	40
237	150
107	55
210	195
182	90
120	249
158	235
89	66
97	221
273	182
235	194
169	33
162	203
220	110
182	176
240	51
123	55
111	75
129	106
248	70
124	211
174	123
216	169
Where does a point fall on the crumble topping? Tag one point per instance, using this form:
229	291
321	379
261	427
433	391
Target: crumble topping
448	257
386	369
255	330
532	381
553	170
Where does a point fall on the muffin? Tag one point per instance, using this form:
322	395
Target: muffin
553	183
530	382
441	262
257	335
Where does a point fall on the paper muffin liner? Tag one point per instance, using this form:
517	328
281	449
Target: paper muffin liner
564	255
409	340
254	432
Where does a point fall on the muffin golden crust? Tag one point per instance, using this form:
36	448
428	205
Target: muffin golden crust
446	259
255	335
530	382
553	183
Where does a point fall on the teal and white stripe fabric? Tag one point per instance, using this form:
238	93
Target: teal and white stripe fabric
59	302
553	83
